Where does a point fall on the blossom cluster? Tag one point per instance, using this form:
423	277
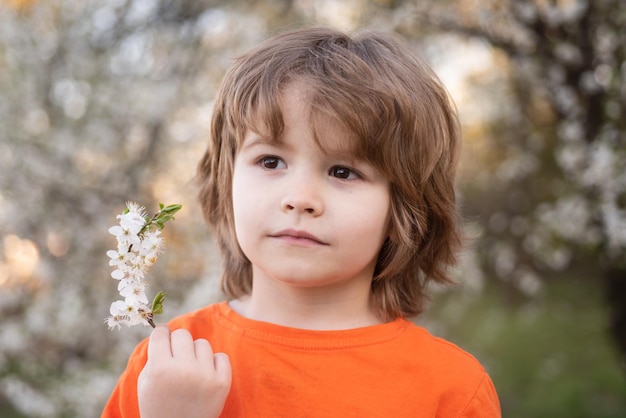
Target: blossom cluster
139	244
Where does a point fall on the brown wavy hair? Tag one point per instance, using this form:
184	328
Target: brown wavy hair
406	127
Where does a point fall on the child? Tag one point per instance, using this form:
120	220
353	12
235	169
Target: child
329	185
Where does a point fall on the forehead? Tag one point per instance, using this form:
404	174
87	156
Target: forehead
302	115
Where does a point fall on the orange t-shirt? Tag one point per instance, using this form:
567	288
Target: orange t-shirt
395	370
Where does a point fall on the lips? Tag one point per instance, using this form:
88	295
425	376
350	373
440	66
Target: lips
298	237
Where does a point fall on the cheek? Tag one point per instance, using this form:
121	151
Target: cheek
241	209
247	200
381	226
242	191
240	204
372	220
248	208
242	226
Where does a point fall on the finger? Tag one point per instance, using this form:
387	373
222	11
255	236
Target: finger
203	350
159	343
182	343
223	367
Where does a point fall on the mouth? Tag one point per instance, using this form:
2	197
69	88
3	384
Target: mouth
298	237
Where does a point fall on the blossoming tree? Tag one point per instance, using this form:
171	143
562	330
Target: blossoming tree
560	140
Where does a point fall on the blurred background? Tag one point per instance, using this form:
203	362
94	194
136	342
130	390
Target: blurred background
104	101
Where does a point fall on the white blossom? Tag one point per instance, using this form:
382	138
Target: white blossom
134	220
134	291
125	237
151	246
615	227
139	243
119	258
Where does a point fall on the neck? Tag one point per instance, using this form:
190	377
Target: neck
317	308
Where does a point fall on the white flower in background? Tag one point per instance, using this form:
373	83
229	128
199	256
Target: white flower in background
139	243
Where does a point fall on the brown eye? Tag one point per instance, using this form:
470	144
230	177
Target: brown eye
342	172
269	162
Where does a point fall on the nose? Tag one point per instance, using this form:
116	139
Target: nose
303	197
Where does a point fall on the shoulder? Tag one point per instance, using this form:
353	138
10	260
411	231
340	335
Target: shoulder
437	350
458	377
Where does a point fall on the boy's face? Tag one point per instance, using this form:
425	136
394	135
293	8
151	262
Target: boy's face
304	216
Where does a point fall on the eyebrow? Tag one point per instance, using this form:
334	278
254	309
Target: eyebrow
254	139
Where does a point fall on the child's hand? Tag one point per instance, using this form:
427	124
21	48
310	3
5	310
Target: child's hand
182	377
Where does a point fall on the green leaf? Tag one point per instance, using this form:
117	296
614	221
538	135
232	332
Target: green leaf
171	209
157	303
164	218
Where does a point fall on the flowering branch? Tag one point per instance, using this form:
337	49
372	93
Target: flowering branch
138	245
